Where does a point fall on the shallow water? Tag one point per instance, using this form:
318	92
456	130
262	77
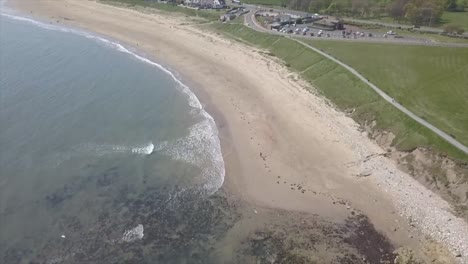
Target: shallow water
84	122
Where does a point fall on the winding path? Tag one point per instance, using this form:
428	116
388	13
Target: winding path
250	19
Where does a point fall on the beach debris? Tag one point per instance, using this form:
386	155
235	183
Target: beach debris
364	174
63	236
255	211
133	234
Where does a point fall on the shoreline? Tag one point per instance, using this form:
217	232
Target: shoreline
273	140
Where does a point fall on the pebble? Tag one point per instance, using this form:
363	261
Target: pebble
411	199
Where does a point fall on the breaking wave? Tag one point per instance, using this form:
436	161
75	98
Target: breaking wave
101	150
200	148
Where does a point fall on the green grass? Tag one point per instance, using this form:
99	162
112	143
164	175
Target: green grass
430	81
348	92
457	18
204	14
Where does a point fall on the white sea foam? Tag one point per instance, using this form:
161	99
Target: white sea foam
103	149
133	234
146	150
201	147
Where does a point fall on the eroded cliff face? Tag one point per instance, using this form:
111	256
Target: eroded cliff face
438	172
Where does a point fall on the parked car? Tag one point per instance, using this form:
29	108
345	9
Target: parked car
369	34
328	35
312	34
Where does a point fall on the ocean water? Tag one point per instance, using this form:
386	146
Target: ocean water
104	154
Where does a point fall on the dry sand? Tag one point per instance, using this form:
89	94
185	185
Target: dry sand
275	135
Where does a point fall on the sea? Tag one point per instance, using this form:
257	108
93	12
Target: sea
106	156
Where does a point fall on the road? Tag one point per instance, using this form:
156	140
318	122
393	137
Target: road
336	35
251	21
395	25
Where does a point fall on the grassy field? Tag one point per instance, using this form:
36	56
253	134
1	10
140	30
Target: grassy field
348	92
430	81
458	18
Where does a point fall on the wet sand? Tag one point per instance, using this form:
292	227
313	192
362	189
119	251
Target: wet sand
285	149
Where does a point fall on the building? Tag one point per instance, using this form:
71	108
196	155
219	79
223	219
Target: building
227	17
329	24
276	25
206	3
284	19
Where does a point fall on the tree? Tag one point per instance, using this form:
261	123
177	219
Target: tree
456	5
397	10
424	12
451	5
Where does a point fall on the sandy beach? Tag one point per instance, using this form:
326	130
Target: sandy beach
284	147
